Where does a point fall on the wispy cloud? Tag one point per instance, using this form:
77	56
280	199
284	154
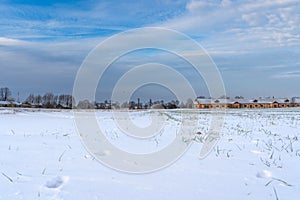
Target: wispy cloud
270	67
287	75
28	66
71	20
249	23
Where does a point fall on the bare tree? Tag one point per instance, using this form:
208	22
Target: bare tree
47	100
4	93
125	105
65	100
38	100
189	103
70	101
181	105
54	101
30	99
85	105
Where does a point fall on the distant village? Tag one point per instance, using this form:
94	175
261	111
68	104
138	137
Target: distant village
65	101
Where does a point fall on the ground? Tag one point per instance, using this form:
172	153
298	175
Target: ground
257	157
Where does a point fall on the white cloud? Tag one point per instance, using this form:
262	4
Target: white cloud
266	4
244	25
287	75
41	60
8	41
255	19
195	6
270	67
226	3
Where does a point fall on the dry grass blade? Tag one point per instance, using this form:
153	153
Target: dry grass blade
275	193
7	177
43	172
282	181
268	183
60	157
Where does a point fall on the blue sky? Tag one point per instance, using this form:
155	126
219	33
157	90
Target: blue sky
255	43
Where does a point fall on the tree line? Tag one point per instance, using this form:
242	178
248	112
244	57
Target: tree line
49	100
66	101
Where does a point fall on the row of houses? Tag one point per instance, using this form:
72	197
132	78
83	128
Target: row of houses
202	103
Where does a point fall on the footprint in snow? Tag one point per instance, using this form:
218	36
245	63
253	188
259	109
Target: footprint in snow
52	188
57	182
264	174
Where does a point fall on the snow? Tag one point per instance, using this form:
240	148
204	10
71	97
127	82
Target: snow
4	103
258	156
57	182
264	174
3	111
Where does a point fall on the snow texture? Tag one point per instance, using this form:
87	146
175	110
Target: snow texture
258	157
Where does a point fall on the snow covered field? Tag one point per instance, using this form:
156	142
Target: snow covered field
258	157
